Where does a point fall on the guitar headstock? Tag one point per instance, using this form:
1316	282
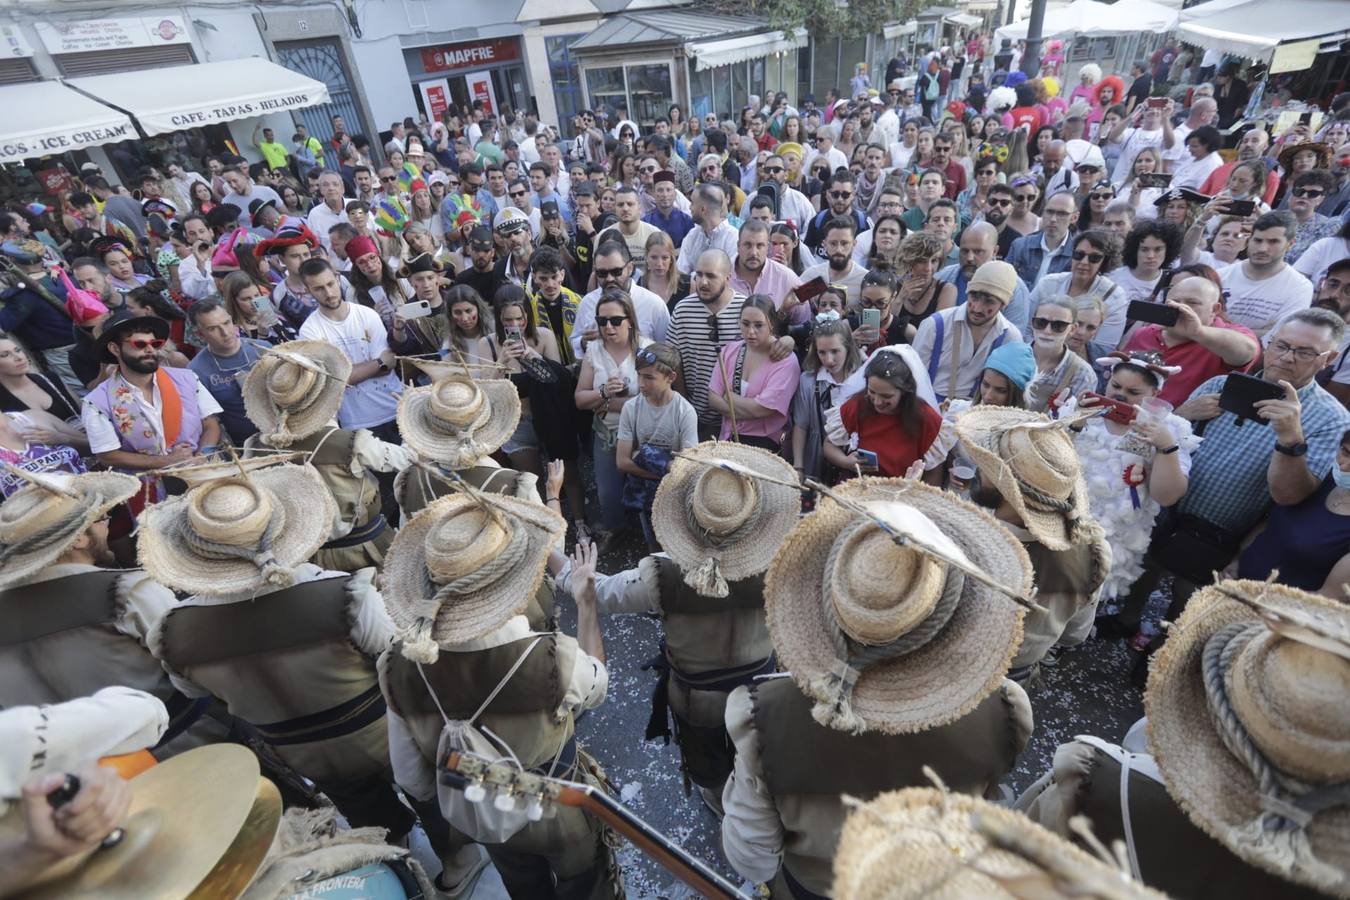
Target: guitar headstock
509	785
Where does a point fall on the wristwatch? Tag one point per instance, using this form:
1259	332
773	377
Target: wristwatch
384	366
1299	449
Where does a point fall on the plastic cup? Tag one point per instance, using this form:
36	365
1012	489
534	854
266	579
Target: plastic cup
960	477
1154	409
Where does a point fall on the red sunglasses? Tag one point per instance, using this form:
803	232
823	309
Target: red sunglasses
153	344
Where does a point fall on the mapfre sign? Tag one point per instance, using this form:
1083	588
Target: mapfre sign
474	55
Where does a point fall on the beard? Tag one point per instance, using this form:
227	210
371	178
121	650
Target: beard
995	218
141	366
839	262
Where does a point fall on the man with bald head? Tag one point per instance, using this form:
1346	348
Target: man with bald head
700	326
1058	177
1252	146
979	244
1203	111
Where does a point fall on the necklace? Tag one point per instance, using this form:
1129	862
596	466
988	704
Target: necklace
243	347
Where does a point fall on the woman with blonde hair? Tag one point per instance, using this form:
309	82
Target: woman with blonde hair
660	275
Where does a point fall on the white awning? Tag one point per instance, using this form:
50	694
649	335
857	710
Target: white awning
965	19
711	54
178	97
43	117
898	29
1248	28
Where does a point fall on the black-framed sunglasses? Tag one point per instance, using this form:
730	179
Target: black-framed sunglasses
999	201
841	195
1311	193
386	179
1102	195
774	170
714	334
1091	257
1058	326
610	273
611	321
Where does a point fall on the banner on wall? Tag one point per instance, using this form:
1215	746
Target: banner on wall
435	97
480	88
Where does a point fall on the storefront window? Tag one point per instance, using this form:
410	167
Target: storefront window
565	76
649	93
740	89
606	87
722	92
757	77
700	91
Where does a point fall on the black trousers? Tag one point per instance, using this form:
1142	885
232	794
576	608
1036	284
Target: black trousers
376	801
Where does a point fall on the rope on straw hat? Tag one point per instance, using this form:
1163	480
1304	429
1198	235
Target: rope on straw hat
852	657
281	435
1279	832
707	579
273	572
418	645
464	437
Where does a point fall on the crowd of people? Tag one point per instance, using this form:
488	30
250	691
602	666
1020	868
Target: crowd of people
1074	345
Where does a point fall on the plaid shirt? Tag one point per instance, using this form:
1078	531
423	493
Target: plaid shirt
1228	485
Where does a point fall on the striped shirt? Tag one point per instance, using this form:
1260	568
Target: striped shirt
1228	485
699	344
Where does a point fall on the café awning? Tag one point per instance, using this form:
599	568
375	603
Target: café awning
1248	28
43	117
170	99
712	54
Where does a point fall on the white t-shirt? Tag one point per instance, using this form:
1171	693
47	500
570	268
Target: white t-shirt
1318	257
1260	304
1133	141
362	337
1133	288
1192	172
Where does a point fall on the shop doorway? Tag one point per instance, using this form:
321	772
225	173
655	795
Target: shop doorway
322	61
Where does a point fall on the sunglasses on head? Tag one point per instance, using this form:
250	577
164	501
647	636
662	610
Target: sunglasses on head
611	321
1058	326
1091	257
609	273
152	344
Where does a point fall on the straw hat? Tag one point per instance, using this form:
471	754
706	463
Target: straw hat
929	843
925	642
458	419
1279	674
720	525
1322	150
40	521
1033	463
463	566
239	533
295	389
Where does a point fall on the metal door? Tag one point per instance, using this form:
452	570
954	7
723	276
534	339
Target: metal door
322	61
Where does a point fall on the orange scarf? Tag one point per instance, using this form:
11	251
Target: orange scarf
171	408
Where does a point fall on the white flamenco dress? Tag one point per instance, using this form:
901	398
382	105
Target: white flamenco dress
1116	470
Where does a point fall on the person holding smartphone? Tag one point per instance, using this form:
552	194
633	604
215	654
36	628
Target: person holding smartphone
888	427
1148	126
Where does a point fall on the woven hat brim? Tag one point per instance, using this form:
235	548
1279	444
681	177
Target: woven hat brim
114	487
1216	790
943	680
978	429
265	413
921	842
434	446
310	512
470	616
743	558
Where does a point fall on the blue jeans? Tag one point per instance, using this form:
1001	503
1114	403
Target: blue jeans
609	486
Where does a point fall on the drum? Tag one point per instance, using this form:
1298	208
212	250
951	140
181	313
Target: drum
377	881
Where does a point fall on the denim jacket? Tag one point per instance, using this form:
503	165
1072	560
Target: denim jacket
1028	251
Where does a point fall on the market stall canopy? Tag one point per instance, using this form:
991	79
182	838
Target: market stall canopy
964	19
1254	28
204	94
47	117
894	30
1133	16
1072	19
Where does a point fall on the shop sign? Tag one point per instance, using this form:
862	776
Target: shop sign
480	88
63	141
91	35
228	112
55	181
452	57
435	97
1294	57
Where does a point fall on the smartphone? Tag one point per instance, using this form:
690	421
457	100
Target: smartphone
512	333
1241	208
867	459
414	309
1305	118
1241	393
812	289
1157	102
1153	313
203	246
1116	411
870	318
1155	180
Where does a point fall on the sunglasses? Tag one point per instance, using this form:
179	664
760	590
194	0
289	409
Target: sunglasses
610	273
1025	198
152	344
841	195
999	201
647	357
1058	326
1081	255
774	170
713	334
518	194
611	321
388	179
1102	195
1308	192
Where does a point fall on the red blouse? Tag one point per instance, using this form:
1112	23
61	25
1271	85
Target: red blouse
896	449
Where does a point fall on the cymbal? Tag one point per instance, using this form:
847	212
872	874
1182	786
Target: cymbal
199	826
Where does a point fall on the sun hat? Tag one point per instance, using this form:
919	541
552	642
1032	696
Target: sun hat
1249	725
463	566
458	419
295	389
719	524
933	844
1032	461
893	638
41	520
238	533
995	277
1016	361
1323	151
124	321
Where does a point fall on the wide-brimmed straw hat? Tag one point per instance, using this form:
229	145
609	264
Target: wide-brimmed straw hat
920	641
464	566
458	419
932	844
1249	722
719	524
1322	150
1033	463
240	533
40	521
295	389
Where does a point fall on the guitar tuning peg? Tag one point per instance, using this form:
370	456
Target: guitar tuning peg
505	801
475	792
534	809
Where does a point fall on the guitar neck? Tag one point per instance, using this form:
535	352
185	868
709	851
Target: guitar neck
688	868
